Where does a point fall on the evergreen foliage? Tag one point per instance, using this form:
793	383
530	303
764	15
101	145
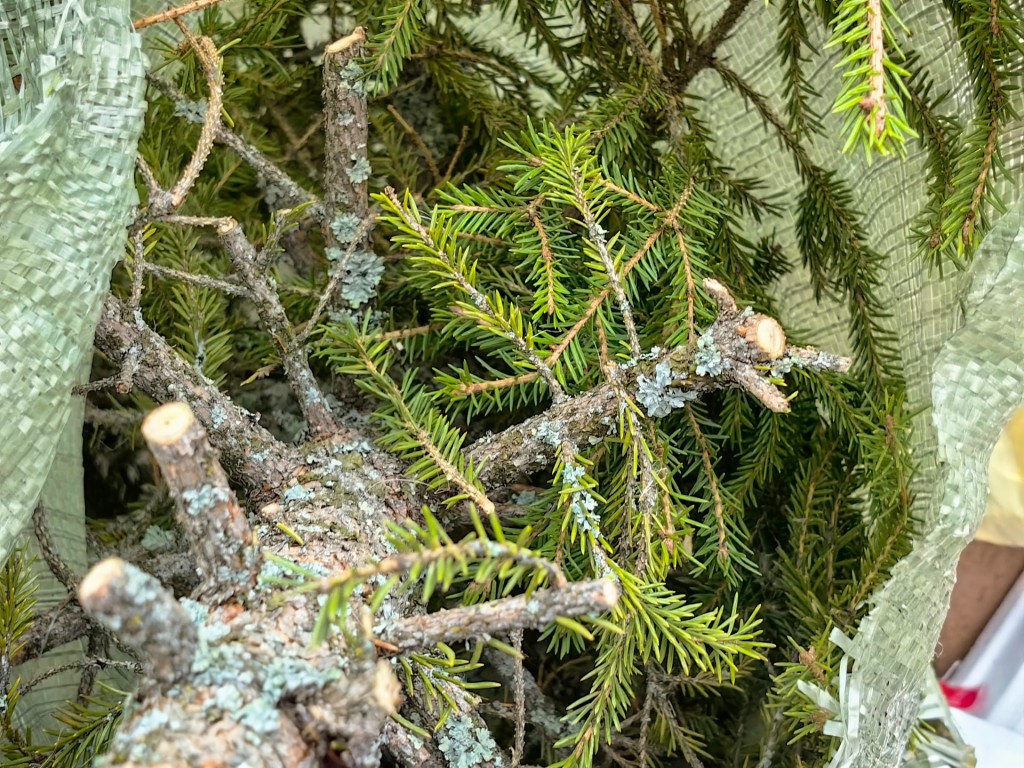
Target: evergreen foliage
556	217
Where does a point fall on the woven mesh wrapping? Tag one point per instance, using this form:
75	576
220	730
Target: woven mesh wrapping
71	109
67	151
963	369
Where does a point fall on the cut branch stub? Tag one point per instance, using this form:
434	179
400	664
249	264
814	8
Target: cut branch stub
346	167
207	510
136	607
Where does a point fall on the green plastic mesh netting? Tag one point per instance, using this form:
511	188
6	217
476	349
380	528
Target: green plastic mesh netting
72	79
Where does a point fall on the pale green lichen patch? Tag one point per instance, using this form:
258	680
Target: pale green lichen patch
218	416
362	274
345	227
549	432
465	745
297	493
658	396
199	501
360	170
247	680
582	504
352	74
157	539
708	358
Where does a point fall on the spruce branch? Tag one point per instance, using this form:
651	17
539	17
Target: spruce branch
401	20
827	226
874	103
338	273
546	255
417	140
559	349
490	311
18	590
442	551
716	495
87	666
519	696
50	553
745	350
793	40
992	31
719	32
597	237
230	286
938	135
873	89
437	447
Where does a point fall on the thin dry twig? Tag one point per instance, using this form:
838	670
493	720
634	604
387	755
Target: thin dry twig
417	140
209	59
172	13
519	693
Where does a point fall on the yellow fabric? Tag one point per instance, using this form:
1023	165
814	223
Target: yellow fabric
1004	518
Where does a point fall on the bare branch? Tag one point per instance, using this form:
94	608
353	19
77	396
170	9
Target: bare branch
272	315
499	616
347	221
61	624
173	13
209	58
48	548
250	453
288	192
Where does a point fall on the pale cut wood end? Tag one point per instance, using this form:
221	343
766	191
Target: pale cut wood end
167	424
770	338
98	578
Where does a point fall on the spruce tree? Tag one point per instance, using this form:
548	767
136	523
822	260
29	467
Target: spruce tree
485	333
